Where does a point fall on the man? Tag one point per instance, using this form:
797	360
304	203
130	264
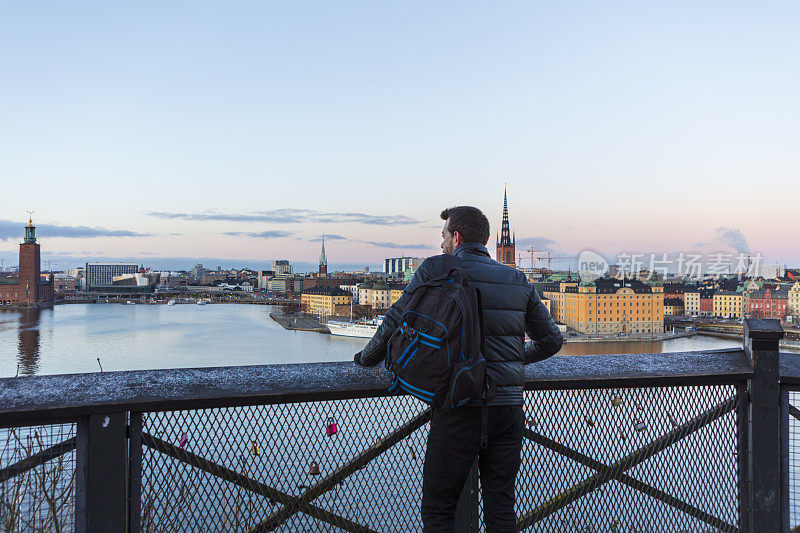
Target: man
511	308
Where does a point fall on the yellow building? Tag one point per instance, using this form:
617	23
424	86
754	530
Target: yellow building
691	303
728	304
793	309
673	307
554	292
546	303
396	294
607	306
323	300
379	295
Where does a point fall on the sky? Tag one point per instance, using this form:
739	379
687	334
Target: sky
241	132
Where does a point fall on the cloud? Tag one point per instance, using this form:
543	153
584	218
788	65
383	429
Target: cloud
258	234
328	238
386	244
291	216
733	237
10	230
701	243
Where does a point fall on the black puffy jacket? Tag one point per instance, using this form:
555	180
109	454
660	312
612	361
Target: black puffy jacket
511	308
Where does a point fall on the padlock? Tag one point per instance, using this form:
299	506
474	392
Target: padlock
589	421
331	428
313	469
256	450
184	440
639	425
616	401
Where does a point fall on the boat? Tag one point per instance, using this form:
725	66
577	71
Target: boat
201	302
354	329
171	302
129	302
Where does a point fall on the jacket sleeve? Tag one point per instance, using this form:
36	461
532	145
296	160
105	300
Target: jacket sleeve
546	339
375	350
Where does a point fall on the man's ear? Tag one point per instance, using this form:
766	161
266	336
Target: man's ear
457	238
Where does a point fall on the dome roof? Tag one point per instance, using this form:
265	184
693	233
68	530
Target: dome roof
365	285
380	286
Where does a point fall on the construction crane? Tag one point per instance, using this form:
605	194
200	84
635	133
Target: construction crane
549	257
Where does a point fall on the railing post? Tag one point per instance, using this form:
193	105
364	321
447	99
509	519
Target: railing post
761	338
743	456
467	510
135	473
101	473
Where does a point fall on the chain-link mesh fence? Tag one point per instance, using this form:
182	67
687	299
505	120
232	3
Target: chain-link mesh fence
37	478
643	459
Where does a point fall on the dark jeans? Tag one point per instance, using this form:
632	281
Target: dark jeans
453	446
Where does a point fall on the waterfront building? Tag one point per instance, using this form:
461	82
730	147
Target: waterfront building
728	304
675	290
793	305
767	303
379	295
707	302
506	244
608	306
323	300
673	307
399	266
170	279
282	267
364	293
64	283
100	276
27	288
691	303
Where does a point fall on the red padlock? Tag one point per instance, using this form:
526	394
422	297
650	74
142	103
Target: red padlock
331	428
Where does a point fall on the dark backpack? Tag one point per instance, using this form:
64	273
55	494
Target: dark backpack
436	353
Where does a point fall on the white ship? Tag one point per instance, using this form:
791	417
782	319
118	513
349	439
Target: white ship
354	329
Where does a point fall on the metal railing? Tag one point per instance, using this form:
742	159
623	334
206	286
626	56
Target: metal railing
695	441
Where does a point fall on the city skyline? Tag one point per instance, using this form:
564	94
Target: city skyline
208	133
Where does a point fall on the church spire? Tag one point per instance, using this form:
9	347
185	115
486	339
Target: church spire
505	230
323	260
506	243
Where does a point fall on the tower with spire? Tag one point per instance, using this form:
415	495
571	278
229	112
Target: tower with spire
506	242
28	289
323	261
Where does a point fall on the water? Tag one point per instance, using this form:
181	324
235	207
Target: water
68	339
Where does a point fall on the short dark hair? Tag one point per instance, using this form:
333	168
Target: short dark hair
469	221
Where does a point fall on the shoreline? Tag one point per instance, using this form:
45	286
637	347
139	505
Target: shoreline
653	338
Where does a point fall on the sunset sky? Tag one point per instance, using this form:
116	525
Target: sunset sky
237	133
